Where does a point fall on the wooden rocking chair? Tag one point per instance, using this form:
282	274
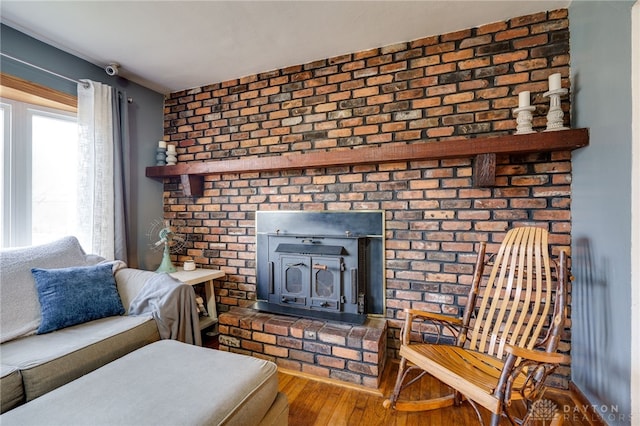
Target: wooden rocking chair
498	356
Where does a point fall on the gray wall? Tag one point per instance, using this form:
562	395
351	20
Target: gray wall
146	126
601	209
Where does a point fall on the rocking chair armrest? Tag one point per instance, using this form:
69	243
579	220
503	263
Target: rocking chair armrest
535	366
452	323
538	356
433	316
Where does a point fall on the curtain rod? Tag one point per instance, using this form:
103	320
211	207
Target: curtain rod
45	70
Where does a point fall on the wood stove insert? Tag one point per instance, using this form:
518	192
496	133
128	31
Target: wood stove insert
325	265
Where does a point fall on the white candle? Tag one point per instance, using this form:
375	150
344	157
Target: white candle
554	82
524	99
171	148
162	144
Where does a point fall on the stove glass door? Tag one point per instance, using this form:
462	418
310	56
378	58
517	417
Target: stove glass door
295	280
326	288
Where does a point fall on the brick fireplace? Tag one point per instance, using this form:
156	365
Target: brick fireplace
450	86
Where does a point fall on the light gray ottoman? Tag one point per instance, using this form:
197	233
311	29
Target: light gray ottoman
164	383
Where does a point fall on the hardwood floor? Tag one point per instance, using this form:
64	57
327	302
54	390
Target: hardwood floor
318	403
315	402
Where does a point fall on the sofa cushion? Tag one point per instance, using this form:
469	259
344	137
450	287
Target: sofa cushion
19	305
70	296
130	281
50	360
12	393
167	383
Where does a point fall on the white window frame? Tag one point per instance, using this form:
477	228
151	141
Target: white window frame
16	168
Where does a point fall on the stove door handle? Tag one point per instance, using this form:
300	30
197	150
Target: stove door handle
309	241
318	266
270	264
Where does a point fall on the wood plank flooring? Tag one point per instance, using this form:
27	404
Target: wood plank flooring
318	403
314	402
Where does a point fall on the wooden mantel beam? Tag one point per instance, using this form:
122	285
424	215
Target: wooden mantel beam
563	140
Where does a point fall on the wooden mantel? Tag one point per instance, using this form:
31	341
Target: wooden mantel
483	149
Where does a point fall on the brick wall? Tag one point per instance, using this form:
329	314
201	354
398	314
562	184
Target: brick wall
448	86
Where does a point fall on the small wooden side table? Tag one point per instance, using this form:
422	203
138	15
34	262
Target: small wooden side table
206	277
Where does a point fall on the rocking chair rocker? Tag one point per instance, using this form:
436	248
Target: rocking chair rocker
498	356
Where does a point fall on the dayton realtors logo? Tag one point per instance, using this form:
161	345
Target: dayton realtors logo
544	410
596	413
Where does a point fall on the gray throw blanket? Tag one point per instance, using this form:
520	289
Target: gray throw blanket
173	305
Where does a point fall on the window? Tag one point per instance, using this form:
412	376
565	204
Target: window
39	158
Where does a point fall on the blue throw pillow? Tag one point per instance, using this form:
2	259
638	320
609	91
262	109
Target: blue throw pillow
70	296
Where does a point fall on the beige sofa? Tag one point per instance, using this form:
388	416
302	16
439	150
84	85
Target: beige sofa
33	364
83	371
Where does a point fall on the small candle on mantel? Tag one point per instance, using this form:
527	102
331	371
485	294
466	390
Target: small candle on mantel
524	99
162	144
554	82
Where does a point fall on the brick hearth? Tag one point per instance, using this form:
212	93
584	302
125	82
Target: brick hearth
343	352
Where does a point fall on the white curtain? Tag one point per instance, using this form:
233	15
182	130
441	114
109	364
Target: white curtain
96	167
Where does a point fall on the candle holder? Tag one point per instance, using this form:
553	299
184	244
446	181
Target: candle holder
172	159
172	155
555	114
161	156
524	118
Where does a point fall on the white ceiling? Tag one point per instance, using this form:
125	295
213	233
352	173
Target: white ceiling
174	45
